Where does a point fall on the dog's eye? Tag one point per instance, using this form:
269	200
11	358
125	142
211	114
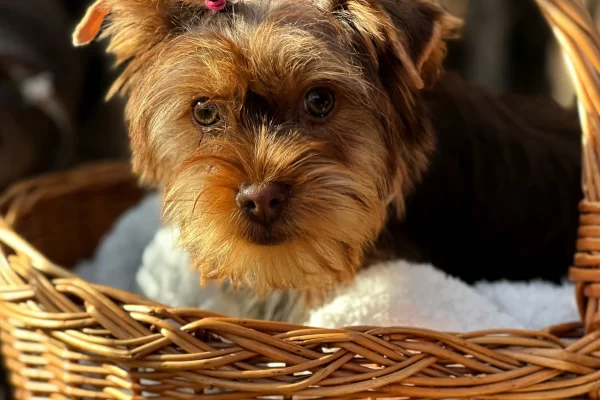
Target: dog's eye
206	114
319	102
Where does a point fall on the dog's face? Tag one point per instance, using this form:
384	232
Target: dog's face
281	130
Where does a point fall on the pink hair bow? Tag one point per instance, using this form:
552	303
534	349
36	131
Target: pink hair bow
216	5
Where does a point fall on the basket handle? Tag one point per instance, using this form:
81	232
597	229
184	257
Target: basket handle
579	39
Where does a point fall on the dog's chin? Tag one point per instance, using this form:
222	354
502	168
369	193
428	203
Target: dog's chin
264	258
274	257
313	250
266	236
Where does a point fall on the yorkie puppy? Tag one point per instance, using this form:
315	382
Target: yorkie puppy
298	141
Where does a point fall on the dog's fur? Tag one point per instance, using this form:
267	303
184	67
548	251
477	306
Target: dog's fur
499	200
411	161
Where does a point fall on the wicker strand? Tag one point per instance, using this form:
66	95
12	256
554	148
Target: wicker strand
574	30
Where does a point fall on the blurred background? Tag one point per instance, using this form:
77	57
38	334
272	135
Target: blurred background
52	110
508	46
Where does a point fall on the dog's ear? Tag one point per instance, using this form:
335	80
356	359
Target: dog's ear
89	27
411	32
132	23
135	28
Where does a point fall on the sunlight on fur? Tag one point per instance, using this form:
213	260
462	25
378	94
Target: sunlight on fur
253	65
333	212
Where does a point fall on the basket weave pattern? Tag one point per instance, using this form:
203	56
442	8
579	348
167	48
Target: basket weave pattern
63	338
580	41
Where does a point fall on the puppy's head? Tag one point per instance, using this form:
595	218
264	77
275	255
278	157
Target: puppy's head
281	130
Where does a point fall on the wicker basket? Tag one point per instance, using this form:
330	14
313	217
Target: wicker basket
63	338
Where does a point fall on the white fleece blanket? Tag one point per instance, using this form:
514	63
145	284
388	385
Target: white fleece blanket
140	256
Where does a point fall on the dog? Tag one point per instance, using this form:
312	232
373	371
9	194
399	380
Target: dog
299	141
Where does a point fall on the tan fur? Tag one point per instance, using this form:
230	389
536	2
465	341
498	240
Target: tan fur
344	171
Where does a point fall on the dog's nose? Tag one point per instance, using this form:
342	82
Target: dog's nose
263	203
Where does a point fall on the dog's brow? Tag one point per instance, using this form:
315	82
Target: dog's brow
256	107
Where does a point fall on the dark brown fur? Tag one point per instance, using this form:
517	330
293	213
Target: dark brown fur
376	160
500	198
